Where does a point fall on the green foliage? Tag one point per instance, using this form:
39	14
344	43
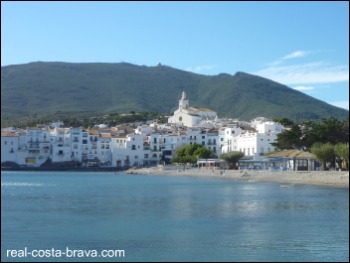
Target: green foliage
342	151
289	139
86	119
328	130
324	152
231	158
303	135
284	121
191	153
98	88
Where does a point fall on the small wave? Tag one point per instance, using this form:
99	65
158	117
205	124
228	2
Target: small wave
21	184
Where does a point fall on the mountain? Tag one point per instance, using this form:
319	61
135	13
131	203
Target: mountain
50	87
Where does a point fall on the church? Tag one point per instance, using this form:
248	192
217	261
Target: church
190	116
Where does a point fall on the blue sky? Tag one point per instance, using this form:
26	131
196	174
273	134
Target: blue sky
304	45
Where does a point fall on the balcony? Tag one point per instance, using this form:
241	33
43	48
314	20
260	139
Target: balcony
33	146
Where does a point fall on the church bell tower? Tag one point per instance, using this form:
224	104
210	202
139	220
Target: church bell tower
183	103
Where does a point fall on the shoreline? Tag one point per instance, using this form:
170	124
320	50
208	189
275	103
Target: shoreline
286	178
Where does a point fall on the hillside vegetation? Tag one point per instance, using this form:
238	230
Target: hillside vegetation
103	88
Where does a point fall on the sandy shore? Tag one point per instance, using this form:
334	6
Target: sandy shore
286	178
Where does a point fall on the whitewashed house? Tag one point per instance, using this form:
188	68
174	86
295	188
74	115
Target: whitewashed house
254	140
9	146
128	151
34	147
60	145
104	149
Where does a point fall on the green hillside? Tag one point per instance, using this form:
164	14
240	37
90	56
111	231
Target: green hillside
50	87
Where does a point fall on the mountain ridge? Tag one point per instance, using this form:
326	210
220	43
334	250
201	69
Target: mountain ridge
48	87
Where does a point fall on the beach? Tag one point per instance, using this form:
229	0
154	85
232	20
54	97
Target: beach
285	178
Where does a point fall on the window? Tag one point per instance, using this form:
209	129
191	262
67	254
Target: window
133	147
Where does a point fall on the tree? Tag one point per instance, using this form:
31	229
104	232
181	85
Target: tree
324	152
289	139
328	130
231	158
190	154
342	151
303	135
284	121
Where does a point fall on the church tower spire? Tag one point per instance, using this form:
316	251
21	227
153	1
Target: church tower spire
183	103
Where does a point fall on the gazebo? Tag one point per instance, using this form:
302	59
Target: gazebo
210	163
296	160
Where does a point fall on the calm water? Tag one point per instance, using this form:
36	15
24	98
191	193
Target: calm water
172	218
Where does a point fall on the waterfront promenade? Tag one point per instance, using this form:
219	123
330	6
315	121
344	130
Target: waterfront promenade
330	178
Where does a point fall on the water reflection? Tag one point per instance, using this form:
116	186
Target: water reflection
175	218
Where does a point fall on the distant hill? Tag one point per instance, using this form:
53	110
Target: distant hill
49	87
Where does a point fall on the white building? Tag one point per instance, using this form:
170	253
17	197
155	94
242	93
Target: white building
9	146
104	149
128	151
153	144
60	145
190	116
251	141
34	147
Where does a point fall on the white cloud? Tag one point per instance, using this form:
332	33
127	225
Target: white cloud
200	68
341	104
303	88
296	54
317	72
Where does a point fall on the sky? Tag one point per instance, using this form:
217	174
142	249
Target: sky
304	45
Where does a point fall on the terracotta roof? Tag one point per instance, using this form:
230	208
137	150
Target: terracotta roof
106	135
119	137
292	154
93	132
198	109
9	134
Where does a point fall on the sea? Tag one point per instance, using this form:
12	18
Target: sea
116	217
